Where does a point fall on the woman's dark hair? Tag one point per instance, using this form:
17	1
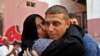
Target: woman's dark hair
29	33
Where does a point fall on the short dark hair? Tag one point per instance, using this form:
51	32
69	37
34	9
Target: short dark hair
57	9
71	15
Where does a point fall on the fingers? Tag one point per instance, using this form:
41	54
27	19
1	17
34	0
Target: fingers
24	54
34	53
27	53
27	50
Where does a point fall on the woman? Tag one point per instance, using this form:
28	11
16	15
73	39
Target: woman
33	29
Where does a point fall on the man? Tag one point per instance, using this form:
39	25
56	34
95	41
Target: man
67	38
7	49
73	19
90	45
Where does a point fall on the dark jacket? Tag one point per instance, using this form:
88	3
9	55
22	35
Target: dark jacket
71	44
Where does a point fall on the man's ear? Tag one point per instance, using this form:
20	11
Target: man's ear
68	23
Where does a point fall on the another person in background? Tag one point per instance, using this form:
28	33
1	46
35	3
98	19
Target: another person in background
34	35
17	45
67	38
73	19
90	45
7	49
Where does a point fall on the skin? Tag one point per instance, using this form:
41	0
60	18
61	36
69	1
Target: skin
40	27
6	42
56	25
74	21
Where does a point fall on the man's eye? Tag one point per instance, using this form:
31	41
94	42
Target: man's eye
56	23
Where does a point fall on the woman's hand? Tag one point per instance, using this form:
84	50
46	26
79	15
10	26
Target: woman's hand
27	53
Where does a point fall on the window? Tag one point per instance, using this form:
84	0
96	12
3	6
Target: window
30	4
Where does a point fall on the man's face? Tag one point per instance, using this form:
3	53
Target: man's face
6	41
73	21
55	25
40	27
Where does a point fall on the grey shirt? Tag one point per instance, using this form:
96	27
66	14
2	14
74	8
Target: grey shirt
40	45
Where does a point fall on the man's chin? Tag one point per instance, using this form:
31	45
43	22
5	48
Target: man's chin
53	38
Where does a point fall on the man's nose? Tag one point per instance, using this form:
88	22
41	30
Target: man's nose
51	27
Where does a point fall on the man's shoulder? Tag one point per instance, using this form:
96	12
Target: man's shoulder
91	46
3	46
89	41
88	38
